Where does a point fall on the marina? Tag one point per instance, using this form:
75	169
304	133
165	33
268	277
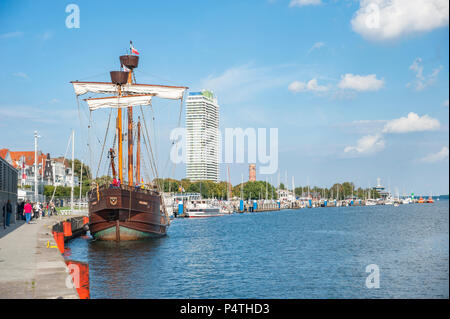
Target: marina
306	253
83	255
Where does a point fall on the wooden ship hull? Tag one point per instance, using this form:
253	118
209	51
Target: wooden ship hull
113	216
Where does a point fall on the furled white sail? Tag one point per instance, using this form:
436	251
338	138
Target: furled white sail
94	87
119	101
161	91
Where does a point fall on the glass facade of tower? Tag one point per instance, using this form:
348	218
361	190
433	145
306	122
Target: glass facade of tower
202	138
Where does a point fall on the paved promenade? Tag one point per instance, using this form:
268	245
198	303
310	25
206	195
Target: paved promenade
28	269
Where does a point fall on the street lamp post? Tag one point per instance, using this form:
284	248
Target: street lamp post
36	136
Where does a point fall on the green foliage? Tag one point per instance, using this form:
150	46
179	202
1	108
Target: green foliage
338	191
208	189
77	169
103	180
282	186
64	191
255	190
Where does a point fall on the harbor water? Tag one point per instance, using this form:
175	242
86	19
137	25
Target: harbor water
306	253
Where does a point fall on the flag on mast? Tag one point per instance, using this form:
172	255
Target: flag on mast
133	50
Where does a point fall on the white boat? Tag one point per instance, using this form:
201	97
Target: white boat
168	203
389	201
200	208
371	202
406	201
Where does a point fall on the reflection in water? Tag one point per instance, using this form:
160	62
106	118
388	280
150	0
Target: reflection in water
122	265
309	253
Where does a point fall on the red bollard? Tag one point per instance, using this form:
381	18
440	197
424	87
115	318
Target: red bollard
80	276
59	238
85	220
67	227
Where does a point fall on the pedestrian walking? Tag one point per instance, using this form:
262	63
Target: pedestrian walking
27	210
40	210
51	208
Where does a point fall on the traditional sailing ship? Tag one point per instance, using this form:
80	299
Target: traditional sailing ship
126	210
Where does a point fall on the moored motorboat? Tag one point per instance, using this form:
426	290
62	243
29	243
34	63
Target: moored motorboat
200	208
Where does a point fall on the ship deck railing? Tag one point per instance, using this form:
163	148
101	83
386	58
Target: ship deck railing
138	189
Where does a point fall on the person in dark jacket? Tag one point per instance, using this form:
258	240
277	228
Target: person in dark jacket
7	211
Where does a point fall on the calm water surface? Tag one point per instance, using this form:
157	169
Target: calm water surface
308	253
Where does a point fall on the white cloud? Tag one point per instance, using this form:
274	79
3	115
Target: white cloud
311	85
297	86
21	75
34	114
442	155
360	82
390	19
363	127
348	84
422	81
343	95
316	45
11	35
45	35
241	83
301	3
366	145
411	123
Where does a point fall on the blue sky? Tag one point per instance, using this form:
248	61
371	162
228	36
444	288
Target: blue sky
351	101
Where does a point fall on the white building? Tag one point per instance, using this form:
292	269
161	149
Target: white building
62	172
285	195
55	171
202	138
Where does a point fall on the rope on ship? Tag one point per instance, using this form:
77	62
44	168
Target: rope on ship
152	159
148	143
104	142
155	138
172	172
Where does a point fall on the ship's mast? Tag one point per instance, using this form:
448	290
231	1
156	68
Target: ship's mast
130	146
130	135
138	153
119	140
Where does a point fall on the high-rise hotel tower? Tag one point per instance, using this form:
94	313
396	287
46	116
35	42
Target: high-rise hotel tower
202	136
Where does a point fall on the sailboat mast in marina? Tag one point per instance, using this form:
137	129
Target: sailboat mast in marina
127	210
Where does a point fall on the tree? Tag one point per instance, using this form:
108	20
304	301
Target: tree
103	180
255	190
77	169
